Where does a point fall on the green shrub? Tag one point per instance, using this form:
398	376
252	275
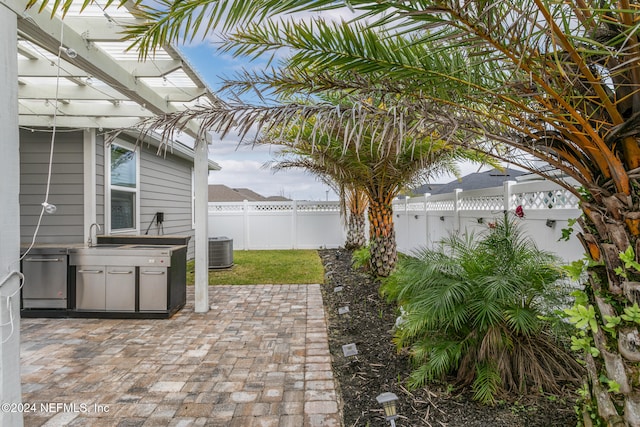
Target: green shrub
361	258
478	308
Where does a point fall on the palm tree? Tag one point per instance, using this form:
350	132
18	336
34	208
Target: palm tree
353	200
356	203
367	168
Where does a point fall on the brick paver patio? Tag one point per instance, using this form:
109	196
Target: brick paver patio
260	357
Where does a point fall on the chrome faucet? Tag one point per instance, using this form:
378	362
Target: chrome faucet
90	241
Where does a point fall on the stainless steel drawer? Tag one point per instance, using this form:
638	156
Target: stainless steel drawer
120	289
90	287
153	288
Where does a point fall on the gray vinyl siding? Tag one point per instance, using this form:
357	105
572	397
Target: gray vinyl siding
66	191
165	186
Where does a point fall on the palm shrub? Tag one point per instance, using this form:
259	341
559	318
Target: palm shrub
361	258
478	308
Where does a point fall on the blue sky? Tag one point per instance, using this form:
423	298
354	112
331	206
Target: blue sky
242	166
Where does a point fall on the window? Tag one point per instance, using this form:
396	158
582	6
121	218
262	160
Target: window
122	193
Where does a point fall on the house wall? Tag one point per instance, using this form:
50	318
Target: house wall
165	185
66	190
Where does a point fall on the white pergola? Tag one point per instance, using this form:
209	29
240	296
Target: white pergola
99	83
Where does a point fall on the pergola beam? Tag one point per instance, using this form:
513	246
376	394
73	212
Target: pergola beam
75	122
47	31
77	109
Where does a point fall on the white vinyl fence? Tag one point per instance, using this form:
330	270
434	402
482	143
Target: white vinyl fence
278	225
423	221
419	221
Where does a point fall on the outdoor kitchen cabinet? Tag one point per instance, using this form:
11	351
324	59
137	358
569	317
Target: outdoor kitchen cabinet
90	287
105	288
119	280
153	288
120	289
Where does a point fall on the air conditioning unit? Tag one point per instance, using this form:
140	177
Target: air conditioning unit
220	252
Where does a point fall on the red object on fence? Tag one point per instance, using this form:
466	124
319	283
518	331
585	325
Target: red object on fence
519	212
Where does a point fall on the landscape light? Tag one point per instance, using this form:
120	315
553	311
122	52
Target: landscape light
388	402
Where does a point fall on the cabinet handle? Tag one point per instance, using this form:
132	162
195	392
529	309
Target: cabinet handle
120	272
90	271
43	260
153	273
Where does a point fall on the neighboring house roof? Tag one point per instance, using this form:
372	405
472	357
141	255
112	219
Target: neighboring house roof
250	194
222	193
474	181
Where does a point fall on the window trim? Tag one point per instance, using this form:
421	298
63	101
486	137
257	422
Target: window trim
108	188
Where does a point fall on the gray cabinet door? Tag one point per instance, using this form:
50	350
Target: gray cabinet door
153	288
121	289
90	287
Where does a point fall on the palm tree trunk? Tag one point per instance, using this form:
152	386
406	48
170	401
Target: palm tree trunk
356	238
611	227
382	238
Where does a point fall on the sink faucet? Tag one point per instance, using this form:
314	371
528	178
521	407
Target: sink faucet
90	241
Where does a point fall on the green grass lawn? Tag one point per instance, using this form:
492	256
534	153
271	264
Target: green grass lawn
267	267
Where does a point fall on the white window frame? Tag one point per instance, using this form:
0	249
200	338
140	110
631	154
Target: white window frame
108	187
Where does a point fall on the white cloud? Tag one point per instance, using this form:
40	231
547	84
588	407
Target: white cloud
250	174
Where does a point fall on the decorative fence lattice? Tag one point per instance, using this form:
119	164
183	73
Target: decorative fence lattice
530	195
488	203
440	205
553	199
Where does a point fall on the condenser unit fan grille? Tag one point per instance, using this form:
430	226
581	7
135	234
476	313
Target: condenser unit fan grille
220	252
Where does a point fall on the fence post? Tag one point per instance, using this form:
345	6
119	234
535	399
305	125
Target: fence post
456	209
245	225
507	192
427	233
407	239
294	224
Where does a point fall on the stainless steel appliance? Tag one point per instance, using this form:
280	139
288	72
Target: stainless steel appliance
45	278
134	278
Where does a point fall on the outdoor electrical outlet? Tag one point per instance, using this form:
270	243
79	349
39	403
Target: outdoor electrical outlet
159	217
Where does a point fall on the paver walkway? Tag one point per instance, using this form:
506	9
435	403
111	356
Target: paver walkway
260	357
